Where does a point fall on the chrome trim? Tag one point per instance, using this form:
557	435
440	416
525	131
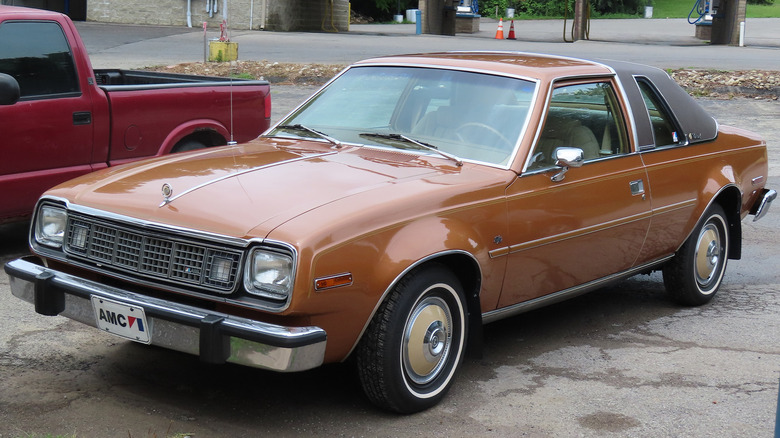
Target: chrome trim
526	306
674	207
177	326
401	275
577	233
153	226
762	205
245	300
243	172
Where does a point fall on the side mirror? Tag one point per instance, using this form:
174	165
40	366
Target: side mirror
566	158
9	90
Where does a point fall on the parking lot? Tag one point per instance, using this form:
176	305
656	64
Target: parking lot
621	361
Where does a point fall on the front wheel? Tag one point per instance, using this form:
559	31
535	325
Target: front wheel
415	342
695	273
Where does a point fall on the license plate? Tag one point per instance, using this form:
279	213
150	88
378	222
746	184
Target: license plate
122	320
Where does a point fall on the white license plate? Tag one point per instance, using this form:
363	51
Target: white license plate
120	319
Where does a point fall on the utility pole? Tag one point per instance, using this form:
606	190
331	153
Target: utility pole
580	19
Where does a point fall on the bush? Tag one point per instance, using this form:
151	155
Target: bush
556	8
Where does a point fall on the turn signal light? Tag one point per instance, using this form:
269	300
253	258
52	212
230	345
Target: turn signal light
334	281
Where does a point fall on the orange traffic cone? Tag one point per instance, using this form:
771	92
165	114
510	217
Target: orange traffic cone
511	31
500	30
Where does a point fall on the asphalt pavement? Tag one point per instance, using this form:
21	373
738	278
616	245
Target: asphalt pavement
665	43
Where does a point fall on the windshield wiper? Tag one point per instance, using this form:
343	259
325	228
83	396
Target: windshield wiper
417	143
299	127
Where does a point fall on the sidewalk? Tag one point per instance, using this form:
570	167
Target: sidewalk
665	43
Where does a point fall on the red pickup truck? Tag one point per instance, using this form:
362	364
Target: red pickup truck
59	118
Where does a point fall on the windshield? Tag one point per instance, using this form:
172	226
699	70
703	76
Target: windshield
472	116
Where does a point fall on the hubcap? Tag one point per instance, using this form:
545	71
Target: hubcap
708	254
427	340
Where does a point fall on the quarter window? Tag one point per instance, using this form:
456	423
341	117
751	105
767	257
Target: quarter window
585	116
38	56
664	127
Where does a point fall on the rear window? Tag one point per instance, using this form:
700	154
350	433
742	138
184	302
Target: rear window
38	56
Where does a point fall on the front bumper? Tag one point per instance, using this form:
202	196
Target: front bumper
215	337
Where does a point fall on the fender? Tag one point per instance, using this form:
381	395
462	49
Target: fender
188	128
446	240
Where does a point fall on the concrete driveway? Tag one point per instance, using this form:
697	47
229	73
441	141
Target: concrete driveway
665	43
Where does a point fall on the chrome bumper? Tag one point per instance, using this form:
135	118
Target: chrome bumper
215	337
761	207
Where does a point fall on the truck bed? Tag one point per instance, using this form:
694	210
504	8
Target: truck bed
109	78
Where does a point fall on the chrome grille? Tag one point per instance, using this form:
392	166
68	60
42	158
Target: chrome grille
149	254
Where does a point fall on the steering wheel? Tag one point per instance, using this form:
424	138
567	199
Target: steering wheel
478	125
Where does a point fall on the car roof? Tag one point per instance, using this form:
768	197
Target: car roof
531	65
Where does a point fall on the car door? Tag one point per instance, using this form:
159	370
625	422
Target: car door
47	134
588	223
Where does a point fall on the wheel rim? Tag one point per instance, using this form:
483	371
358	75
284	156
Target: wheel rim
709	255
427	340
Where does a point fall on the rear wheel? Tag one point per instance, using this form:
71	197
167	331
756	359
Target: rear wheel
695	273
188	145
415	342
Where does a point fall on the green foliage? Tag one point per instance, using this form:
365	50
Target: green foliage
760	2
619	6
557	8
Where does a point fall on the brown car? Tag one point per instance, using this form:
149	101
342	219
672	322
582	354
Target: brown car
411	200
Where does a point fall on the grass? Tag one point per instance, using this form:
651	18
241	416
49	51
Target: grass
676	9
681	9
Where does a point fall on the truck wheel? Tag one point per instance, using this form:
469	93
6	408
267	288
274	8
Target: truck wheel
414	344
695	273
188	145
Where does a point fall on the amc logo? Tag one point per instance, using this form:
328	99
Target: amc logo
118	319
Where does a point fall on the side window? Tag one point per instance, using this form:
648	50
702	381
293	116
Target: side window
585	116
38	56
664	127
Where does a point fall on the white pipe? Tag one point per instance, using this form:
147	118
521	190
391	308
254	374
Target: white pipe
189	13
741	34
224	9
251	13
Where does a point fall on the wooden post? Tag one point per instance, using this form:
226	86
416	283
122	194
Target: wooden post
580	20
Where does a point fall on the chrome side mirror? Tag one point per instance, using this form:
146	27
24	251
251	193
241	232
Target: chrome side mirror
9	89
566	158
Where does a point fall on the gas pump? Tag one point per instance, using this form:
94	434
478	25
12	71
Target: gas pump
703	10
720	21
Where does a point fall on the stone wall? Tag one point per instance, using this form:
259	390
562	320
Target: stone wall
276	15
308	15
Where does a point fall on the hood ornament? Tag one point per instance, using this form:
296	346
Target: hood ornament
167	191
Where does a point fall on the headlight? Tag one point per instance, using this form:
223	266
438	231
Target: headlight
50	226
269	274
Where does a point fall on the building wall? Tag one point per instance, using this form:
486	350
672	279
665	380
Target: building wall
276	15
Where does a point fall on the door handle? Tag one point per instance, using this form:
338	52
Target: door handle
637	188
82	118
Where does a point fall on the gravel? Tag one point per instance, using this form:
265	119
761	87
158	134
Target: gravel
700	83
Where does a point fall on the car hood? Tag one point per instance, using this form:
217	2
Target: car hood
246	190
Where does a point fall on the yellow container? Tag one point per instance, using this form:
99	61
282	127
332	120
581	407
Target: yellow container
223	51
